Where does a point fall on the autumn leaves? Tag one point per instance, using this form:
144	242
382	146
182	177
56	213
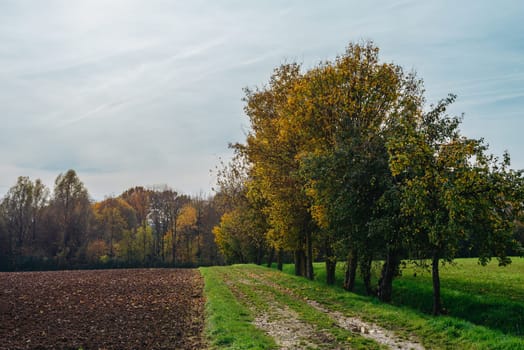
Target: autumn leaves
345	161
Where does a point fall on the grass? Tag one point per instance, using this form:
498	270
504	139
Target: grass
490	296
435	332
484	305
253	286
228	323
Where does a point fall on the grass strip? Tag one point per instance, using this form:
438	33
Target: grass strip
320	320
228	323
434	332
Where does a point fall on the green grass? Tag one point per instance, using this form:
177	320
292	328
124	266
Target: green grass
228	323
252	285
484	304
494	293
490	296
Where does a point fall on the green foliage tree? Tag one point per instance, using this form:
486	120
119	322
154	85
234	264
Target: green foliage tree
451	190
343	109
349	145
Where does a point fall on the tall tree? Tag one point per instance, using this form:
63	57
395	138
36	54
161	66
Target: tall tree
73	212
272	149
343	111
17	209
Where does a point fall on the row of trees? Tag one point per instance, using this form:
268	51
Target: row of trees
141	227
346	162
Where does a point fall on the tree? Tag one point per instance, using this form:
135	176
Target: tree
342	109
186	226
209	218
241	234
21	210
272	148
113	216
139	199
73	212
451	190
17	208
144	239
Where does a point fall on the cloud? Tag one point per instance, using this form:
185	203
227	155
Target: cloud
130	93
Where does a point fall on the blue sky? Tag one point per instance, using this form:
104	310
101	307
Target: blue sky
149	92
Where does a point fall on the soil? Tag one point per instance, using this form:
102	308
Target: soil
102	309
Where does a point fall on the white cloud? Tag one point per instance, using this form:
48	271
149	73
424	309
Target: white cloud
133	92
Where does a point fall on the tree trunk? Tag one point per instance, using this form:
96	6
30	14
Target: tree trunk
310	273
331	263
111	243
351	269
389	271
173	243
271	257
437	305
280	257
260	253
365	271
331	266
300	263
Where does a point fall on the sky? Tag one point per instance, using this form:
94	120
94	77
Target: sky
150	92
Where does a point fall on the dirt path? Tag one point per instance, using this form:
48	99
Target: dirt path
369	330
355	325
284	324
107	309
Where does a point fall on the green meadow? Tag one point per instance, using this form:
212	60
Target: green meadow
484	306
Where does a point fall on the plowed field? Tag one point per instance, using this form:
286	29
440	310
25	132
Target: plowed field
105	309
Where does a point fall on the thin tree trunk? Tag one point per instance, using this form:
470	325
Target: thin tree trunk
351	269
173	243
331	263
437	306
271	257
310	274
260	253
280	257
365	271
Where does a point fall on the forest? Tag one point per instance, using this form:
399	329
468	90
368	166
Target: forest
142	227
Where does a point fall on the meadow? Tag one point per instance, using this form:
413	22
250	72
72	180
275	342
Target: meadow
484	306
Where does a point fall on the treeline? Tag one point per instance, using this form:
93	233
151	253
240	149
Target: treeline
346	162
141	227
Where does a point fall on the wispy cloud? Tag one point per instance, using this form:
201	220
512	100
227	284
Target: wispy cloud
132	93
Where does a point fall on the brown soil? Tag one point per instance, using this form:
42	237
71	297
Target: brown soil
105	309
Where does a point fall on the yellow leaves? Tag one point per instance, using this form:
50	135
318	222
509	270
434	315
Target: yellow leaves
320	215
187	217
